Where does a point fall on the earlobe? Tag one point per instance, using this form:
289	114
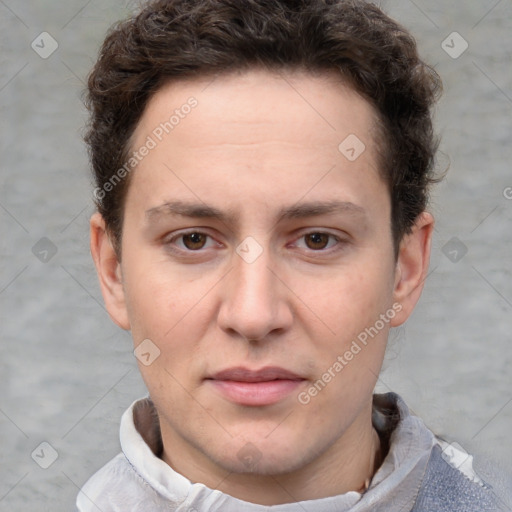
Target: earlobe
412	266
109	272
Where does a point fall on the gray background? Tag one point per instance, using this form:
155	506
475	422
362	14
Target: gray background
67	372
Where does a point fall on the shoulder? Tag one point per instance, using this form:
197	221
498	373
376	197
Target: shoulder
450	484
443	478
117	487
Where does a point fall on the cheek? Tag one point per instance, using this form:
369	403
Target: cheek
172	311
348	355
351	299
157	296
150	305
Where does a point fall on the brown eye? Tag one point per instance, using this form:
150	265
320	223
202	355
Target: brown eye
317	240
194	241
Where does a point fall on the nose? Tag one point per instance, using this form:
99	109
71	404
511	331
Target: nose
255	303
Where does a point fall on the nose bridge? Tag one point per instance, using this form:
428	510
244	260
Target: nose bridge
253	305
252	278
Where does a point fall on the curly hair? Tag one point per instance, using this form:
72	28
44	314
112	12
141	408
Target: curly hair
175	39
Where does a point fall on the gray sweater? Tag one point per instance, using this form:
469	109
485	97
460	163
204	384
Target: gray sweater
421	473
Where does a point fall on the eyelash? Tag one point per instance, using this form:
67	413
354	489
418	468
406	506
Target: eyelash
183	250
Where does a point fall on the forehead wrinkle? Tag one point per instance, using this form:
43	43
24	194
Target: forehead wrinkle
232	217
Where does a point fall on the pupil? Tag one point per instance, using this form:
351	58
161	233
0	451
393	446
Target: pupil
194	240
318	239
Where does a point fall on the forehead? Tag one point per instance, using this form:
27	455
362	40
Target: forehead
257	133
319	108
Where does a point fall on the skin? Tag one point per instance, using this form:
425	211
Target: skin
258	143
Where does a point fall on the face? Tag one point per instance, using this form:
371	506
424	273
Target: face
257	257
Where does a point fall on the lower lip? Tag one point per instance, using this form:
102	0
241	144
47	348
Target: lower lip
256	393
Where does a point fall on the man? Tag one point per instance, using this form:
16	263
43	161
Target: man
262	172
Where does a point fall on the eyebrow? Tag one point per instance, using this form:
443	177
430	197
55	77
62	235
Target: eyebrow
185	209
296	211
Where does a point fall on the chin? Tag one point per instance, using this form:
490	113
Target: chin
261	457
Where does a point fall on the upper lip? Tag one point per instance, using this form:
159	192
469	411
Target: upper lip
241	374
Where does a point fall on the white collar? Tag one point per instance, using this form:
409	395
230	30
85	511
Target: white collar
411	443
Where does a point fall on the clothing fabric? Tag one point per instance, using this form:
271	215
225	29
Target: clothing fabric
420	473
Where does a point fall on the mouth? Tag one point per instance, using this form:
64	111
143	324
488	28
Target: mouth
261	387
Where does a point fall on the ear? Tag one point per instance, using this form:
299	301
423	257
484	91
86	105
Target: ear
108	268
412	266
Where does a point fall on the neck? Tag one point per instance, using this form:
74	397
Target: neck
347	465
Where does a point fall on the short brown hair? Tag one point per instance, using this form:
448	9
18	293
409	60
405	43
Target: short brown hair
174	39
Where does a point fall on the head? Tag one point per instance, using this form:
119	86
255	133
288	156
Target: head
262	173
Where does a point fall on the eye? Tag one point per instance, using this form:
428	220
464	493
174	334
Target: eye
191	241
317	241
